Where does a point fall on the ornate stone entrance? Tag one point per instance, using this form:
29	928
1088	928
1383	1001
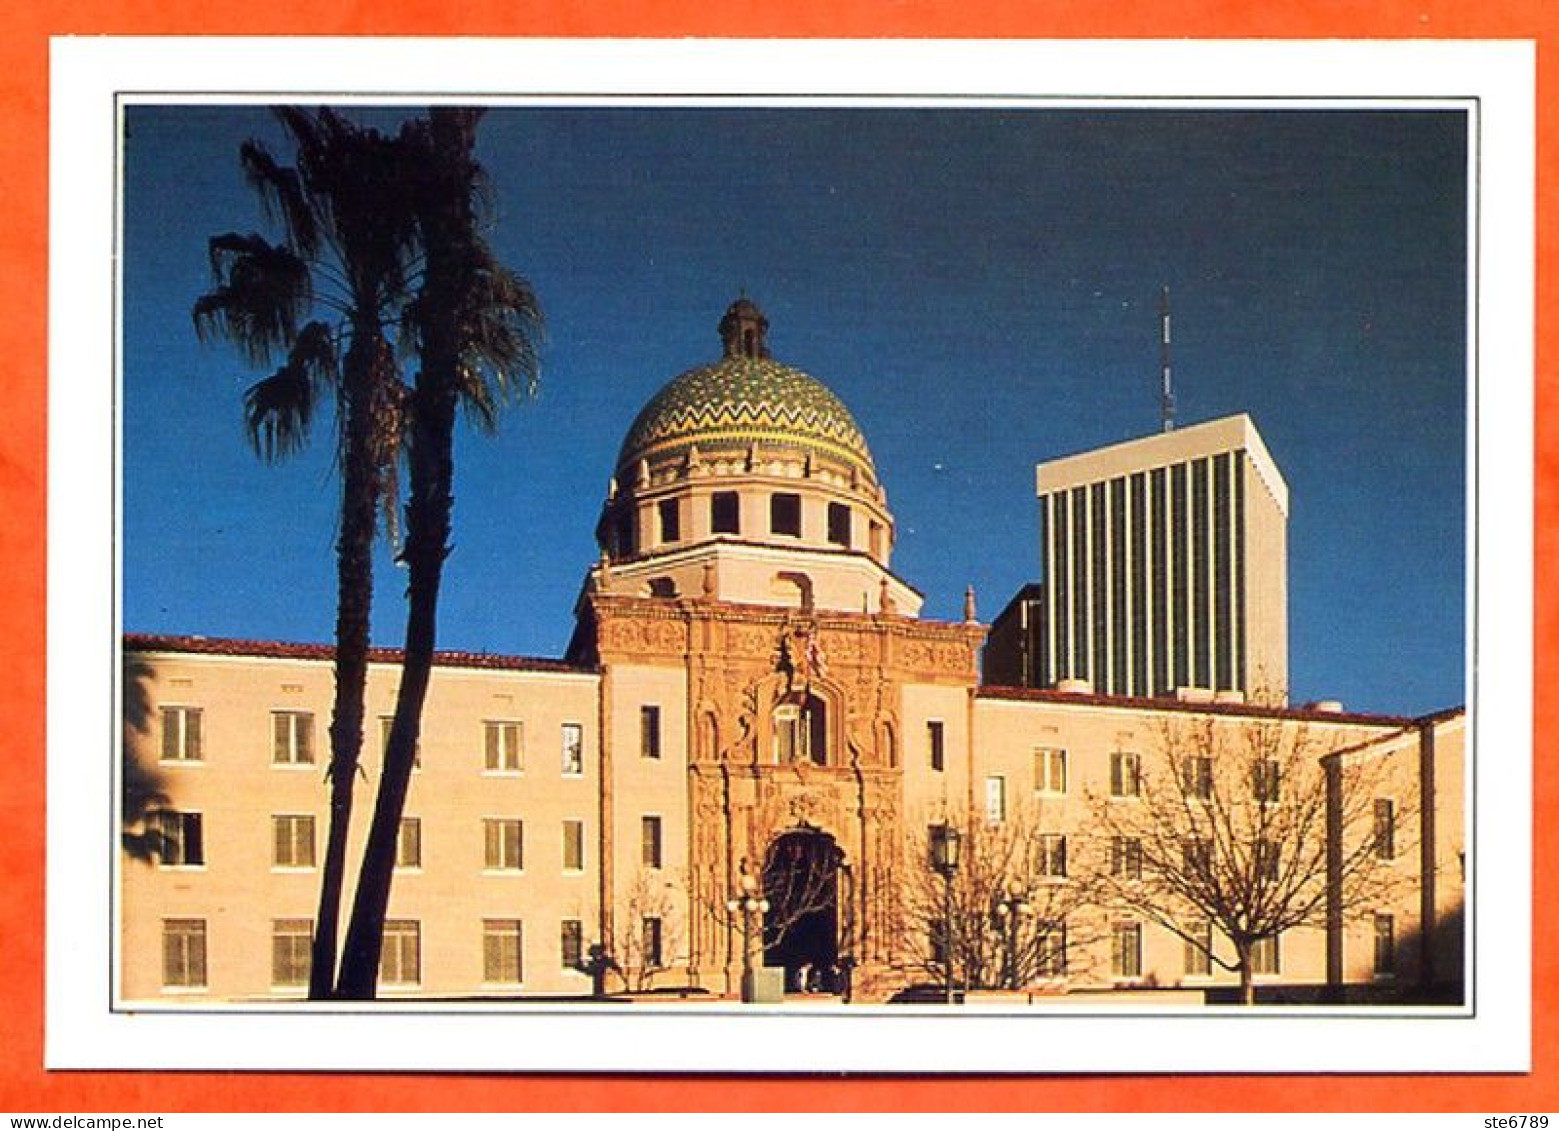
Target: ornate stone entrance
802	872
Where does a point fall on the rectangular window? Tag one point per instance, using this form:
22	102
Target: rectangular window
1050	770
1126	950
649	835
505	837
184	954
408	843
1196	856
649	731
505	744
670	521
625	534
181	734
1126	857
400	961
840	526
1267	859
1385	946
292	840
785	514
1266	780
1199	949
936	742
725	513
652	938
292	738
1050	950
573	846
1125	774
502	952
1265	956
995	800
182	836
386	722
1196	777
573	750
291	943
1052	855
1385	829
572	944
936	941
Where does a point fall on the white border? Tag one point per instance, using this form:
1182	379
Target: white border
87	74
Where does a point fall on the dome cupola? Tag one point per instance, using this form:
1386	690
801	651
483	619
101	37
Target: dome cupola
757	458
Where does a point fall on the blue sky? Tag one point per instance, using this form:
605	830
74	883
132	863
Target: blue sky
980	287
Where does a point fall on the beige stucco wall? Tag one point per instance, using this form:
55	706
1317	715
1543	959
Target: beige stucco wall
640	787
238	790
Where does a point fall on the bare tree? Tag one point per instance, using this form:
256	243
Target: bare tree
648	933
1246	830
1019	904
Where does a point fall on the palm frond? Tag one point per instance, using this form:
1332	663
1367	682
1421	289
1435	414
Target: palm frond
279	409
262	291
283	196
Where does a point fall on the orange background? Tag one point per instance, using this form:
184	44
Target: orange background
24	35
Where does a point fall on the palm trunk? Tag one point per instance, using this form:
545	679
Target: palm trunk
447	229
354	599
427	525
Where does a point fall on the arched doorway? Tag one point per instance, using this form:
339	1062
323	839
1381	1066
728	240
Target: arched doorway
801	873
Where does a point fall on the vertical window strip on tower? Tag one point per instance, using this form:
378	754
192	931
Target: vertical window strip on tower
1099	589
1138	598
1201	575
1119	618
1223	588
1242	674
1079	580
1159	609
1060	584
1178	533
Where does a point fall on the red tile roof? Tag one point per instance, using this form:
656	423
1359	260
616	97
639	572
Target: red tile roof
274	649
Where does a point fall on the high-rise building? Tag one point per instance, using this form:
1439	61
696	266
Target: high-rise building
1165	571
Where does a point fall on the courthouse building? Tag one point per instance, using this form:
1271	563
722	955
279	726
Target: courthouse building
751	704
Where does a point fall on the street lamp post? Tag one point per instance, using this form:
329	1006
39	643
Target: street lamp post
1010	910
750	905
944	861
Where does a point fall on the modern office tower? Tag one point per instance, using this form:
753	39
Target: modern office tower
1165	567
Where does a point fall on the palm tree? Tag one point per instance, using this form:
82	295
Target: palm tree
345	257
477	328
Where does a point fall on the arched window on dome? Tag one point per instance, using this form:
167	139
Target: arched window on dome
801	730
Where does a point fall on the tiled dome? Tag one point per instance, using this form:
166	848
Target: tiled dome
745	398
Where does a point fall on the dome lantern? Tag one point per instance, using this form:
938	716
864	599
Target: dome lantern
744	330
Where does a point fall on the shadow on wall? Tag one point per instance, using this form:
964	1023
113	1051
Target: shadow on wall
1442	984
143	784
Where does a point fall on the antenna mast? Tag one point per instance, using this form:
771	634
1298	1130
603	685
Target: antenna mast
1166	396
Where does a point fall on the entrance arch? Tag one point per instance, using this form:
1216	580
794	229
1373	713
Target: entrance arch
801	874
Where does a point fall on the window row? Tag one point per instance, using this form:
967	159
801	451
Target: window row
725	517
185	959
1264	861
293	740
180	841
1127	956
1194	782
